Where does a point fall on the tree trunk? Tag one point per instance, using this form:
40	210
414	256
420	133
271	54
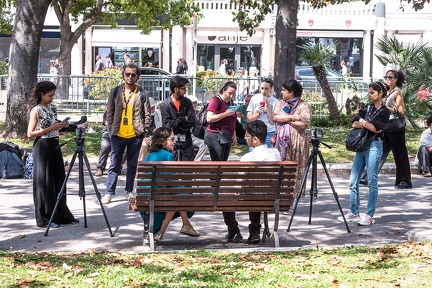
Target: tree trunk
285	54
320	75
23	63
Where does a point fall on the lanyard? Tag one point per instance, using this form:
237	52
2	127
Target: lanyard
371	114
128	98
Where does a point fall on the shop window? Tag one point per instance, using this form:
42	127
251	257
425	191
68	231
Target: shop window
250	57
150	57
206	56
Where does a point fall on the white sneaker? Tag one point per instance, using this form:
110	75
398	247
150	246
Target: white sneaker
366	221
106	199
158	237
350	217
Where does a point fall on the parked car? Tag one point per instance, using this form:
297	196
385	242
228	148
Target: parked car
306	72
156	82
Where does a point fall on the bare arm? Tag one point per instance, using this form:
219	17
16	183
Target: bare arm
33	122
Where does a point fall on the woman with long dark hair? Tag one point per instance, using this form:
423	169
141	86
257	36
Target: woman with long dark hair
161	148
293	116
48	169
373	117
395	141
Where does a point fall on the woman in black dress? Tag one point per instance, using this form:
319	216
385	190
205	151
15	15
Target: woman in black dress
48	169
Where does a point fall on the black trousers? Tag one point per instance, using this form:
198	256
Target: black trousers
232	224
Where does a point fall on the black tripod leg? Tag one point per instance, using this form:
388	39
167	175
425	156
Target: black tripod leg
314	190
81	188
62	190
98	195
335	195
300	190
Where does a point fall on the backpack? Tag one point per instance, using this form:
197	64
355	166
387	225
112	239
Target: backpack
28	168
11	166
201	120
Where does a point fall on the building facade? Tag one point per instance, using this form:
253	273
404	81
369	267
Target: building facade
356	26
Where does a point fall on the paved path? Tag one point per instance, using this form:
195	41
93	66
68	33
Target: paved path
398	212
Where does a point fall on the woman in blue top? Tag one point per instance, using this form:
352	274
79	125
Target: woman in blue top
161	150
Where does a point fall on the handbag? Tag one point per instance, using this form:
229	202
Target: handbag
396	124
358	140
224	137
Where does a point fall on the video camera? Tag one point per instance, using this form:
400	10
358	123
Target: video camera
316	134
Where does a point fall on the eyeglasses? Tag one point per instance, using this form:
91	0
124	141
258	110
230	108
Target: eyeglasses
389	77
130	74
182	88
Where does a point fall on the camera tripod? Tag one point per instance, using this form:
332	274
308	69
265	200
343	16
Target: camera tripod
178	153
80	151
314	190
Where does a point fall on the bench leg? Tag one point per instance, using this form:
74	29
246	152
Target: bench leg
151	228
145	232
266	232
276	225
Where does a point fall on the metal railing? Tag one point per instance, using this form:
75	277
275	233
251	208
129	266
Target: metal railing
88	94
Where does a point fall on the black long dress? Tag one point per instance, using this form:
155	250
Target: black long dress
48	173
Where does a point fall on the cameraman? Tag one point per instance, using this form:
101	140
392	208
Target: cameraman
178	113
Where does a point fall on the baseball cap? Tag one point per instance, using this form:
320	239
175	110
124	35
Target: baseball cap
193	98
152	102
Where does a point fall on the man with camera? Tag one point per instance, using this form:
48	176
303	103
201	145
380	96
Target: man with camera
128	120
178	113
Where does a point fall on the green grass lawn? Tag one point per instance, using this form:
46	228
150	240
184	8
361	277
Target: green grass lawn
332	136
404	265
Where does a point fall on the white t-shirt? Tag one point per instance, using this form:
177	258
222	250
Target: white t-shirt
262	153
254	106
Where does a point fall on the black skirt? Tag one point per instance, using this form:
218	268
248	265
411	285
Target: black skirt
48	178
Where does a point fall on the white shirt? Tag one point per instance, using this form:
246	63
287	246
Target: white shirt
262	153
254	106
222	70
426	138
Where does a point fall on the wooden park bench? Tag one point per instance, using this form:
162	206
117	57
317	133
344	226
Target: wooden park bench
225	186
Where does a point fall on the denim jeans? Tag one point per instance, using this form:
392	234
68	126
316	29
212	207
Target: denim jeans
118	145
369	158
104	153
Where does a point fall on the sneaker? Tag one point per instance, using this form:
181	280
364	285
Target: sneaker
427	174
254	238
106	199
189	231
129	195
366	221
158	237
350	217
99	172
235	237
54	225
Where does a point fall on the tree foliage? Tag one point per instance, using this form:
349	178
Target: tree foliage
146	13
318	56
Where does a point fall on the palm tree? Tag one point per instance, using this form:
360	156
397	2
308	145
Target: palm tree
416	62
318	56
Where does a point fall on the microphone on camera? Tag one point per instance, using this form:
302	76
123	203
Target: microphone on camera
82	120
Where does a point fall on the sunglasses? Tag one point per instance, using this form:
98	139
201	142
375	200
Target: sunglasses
130	74
389	77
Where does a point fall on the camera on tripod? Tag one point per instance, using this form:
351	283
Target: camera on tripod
180	140
80	132
316	134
